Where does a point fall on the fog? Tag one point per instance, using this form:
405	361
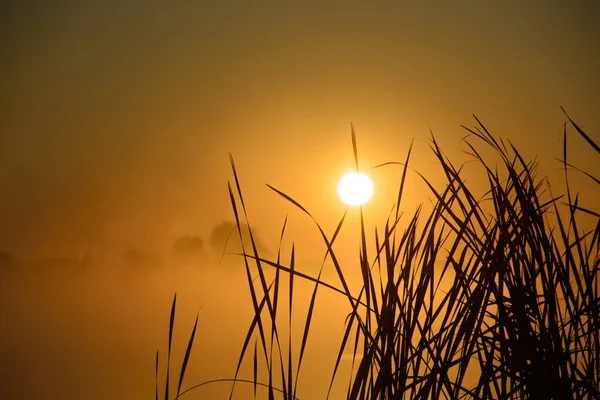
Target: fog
90	329
116	124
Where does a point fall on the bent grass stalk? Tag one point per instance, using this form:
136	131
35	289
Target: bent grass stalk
520	318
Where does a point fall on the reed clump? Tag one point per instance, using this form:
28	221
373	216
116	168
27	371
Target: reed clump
519	319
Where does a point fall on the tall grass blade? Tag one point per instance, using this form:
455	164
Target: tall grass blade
582	133
156	386
171	325
255	369
187	356
354	146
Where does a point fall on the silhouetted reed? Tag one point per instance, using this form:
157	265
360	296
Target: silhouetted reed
520	318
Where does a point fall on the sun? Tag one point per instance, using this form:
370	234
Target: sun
355	189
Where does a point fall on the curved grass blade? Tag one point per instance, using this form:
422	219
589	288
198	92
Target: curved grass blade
582	133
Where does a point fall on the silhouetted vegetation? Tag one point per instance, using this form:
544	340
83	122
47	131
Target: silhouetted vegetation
518	319
225	239
8	263
189	244
7	260
137	259
190	248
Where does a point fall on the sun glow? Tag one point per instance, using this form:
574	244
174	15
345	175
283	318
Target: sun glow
355	189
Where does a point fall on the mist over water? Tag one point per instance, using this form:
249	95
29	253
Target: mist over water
72	330
115	129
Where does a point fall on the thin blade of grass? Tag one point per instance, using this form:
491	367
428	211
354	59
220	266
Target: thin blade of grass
171	326
255	368
582	133
187	356
354	146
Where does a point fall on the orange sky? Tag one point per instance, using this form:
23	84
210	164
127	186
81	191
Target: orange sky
117	117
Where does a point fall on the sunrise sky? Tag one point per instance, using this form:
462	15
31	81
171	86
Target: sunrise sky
117	117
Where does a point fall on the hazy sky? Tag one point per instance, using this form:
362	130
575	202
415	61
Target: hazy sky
116	118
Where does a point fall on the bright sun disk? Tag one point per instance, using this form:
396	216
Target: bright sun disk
355	189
